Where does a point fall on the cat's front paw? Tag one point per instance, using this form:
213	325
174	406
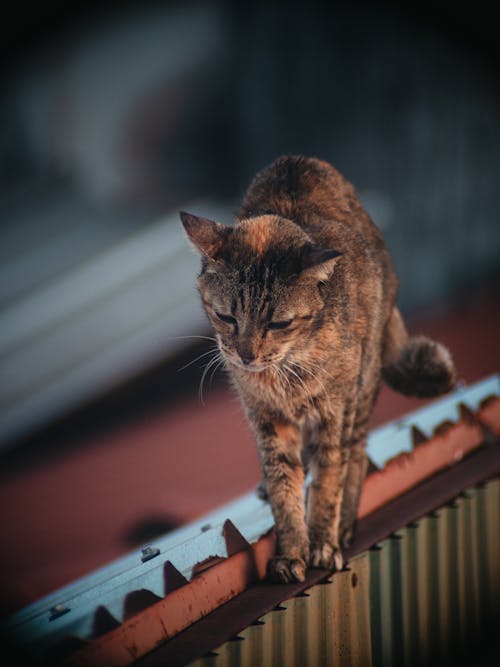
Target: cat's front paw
326	556
282	570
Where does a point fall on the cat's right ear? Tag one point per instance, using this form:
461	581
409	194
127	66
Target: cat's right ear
207	236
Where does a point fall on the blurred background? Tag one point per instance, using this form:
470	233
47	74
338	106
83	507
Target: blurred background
115	117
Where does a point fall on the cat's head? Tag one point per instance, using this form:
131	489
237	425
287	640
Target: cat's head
260	284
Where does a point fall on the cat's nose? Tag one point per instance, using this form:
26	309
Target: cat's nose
245	349
247	358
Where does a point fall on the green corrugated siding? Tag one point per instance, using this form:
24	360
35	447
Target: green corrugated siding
422	595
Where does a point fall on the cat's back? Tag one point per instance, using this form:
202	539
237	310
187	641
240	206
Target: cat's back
314	195
297	187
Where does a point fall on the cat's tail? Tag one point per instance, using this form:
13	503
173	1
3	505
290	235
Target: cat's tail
416	366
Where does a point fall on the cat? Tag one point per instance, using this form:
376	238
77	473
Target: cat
301	293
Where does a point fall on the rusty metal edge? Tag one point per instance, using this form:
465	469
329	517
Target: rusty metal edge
166	618
410	468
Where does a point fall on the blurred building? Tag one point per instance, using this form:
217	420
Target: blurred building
112	120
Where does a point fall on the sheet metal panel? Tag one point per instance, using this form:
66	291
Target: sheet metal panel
328	625
448	578
492	543
410	618
421	596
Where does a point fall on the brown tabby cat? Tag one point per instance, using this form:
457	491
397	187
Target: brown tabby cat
301	293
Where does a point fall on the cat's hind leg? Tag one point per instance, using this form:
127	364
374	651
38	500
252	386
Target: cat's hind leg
356	473
355	443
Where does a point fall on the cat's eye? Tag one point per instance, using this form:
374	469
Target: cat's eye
226	318
284	324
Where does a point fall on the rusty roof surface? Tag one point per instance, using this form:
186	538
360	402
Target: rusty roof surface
124	610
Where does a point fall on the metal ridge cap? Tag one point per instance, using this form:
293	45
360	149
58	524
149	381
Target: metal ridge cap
108	586
389	440
234	510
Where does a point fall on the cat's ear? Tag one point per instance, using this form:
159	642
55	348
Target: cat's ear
207	236
319	263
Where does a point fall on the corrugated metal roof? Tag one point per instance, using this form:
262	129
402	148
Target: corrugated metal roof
152	594
421	597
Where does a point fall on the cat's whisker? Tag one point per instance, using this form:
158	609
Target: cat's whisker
276	372
215	360
314	370
203	354
311	398
316	378
307	393
309	364
205	371
283	377
220	362
196	336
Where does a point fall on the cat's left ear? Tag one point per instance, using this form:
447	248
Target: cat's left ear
319	263
207	236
